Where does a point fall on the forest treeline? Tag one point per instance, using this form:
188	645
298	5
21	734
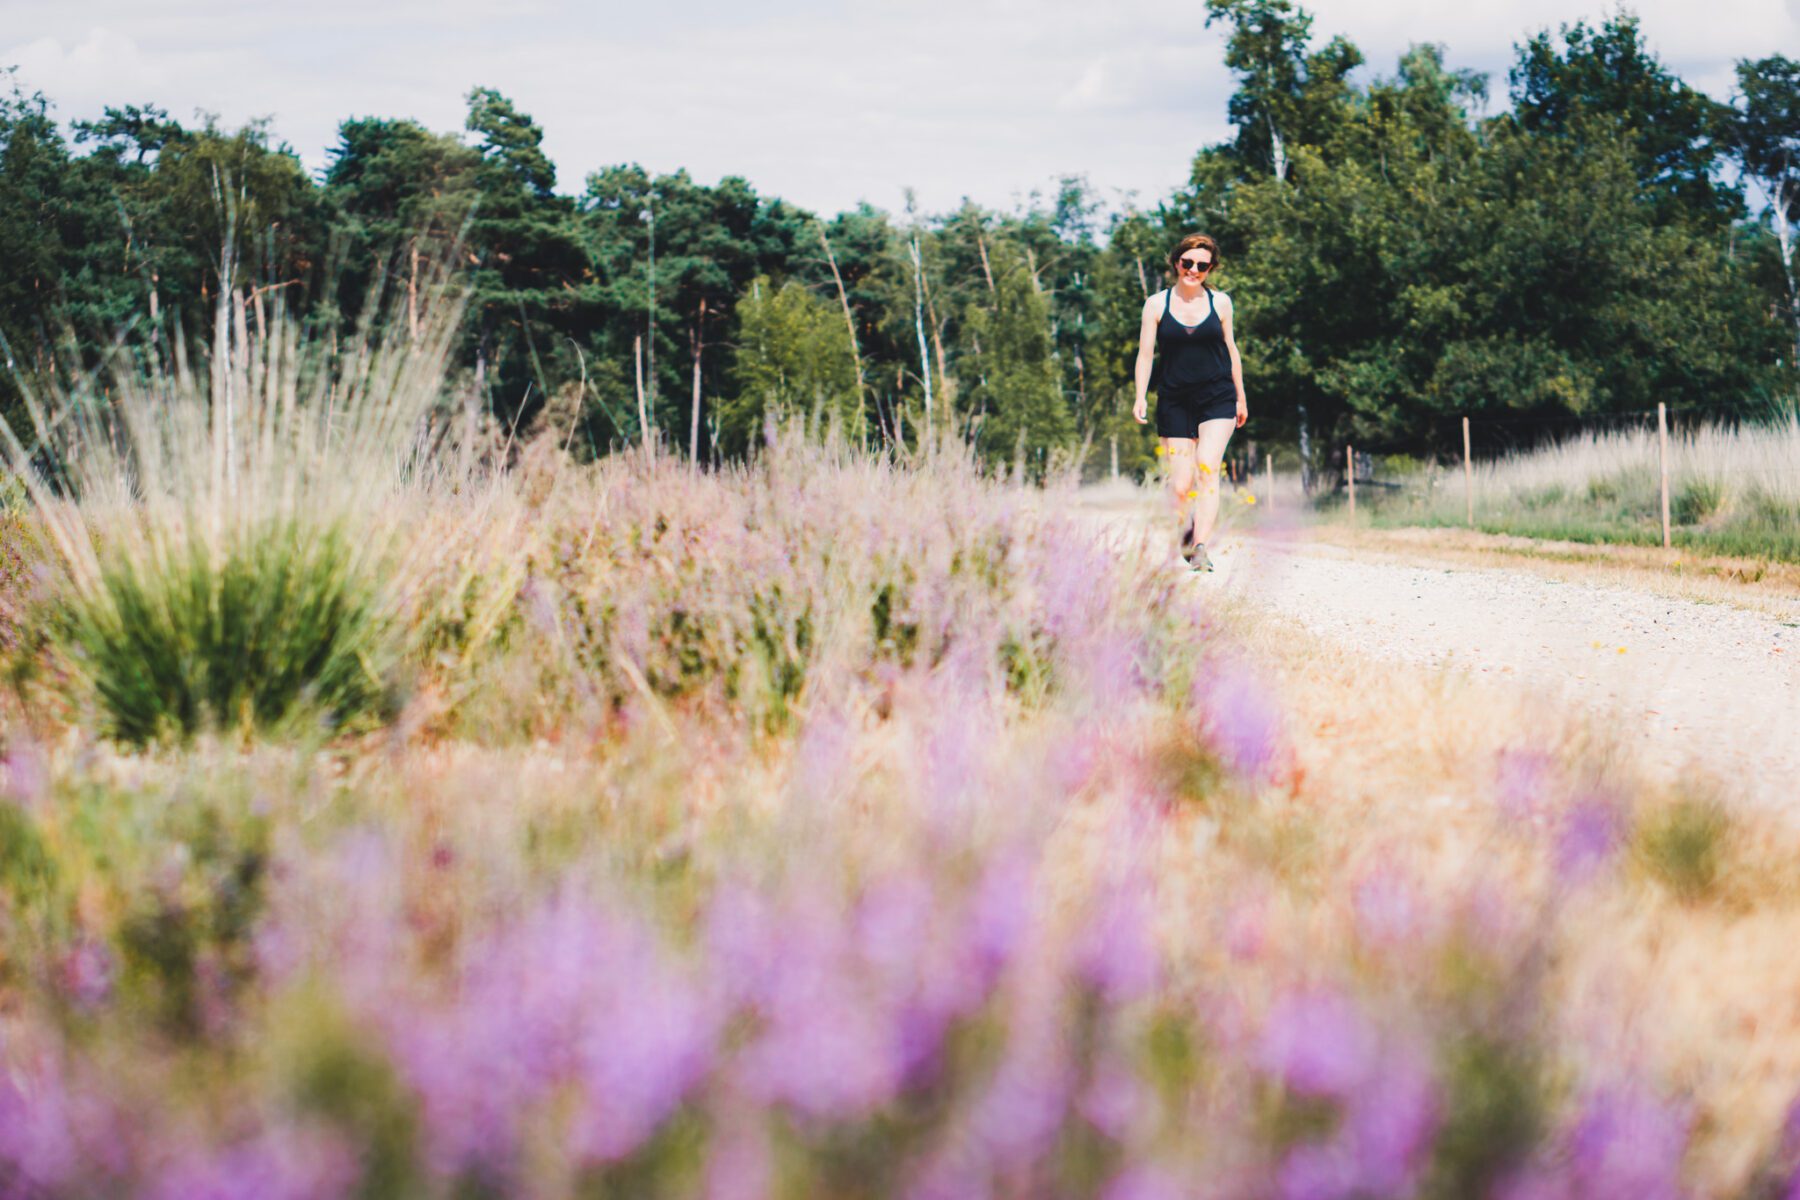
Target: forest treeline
1399	258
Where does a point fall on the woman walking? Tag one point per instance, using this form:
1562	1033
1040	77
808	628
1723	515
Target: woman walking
1199	388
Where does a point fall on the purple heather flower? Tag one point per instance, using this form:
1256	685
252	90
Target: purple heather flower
952	760
1627	1145
1534	1182
1389	1117
1118	953
1391	1121
86	973
822	759
1105	669
828	1047
951	1175
40	1149
1592	831
893	926
1318	1044
1522	783
1018	1117
1238	716
1246	928
739	1165
568	994
648	1041
1115	1100
1387	908
741	931
25	775
1319	1171
462	1063
1145	1183
1001	910
540	609
282	1164
1070	577
1072	760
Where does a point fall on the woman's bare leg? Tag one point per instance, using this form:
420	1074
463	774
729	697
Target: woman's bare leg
1209	452
1178	461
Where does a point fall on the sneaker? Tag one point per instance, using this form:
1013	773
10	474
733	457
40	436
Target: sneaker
1198	559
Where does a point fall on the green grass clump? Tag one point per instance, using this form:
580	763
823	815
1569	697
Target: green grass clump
1697	500
1681	847
278	625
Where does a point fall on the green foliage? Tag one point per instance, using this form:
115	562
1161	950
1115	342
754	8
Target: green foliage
1399	258
27	871
282	625
1493	1114
793	358
1697	501
1018	395
185	944
1681	847
1608	74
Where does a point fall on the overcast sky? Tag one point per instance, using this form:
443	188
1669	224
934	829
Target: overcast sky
823	104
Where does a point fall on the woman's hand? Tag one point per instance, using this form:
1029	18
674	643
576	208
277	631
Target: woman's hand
1243	413
1142	412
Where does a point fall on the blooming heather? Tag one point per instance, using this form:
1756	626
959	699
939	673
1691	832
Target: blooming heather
1592	831
1238	715
1318	1043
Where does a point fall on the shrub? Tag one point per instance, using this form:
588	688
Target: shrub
1681	847
279	624
1697	500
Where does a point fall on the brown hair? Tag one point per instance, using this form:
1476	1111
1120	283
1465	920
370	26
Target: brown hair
1193	241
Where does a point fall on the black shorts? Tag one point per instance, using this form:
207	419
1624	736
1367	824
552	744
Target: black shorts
1178	414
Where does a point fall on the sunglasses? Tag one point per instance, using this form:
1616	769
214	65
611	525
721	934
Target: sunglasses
1201	265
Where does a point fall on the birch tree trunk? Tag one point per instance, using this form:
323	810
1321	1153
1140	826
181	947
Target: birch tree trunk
849	324
694	422
919	325
637	363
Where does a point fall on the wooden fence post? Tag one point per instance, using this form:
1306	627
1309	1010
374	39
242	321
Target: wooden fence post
1269	472
1350	474
1468	476
1662	438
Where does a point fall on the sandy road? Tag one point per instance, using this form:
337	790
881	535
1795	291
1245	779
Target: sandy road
1683	684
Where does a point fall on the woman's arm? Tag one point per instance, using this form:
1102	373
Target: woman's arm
1146	357
1223	303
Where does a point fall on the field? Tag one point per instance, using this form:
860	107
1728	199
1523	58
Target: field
402	816
1732	490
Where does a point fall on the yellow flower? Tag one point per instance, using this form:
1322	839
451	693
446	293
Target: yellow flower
1160	452
1247	498
1204	468
1193	495
1621	649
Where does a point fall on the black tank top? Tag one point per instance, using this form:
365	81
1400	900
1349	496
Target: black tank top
1192	359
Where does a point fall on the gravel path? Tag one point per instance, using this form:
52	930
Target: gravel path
1684	682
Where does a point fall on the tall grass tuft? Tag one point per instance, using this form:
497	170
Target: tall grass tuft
222	522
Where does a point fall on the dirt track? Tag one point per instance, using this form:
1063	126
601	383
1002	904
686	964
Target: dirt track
1683	684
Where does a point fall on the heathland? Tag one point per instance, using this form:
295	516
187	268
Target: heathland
416	813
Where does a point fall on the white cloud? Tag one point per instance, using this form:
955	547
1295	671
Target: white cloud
821	103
